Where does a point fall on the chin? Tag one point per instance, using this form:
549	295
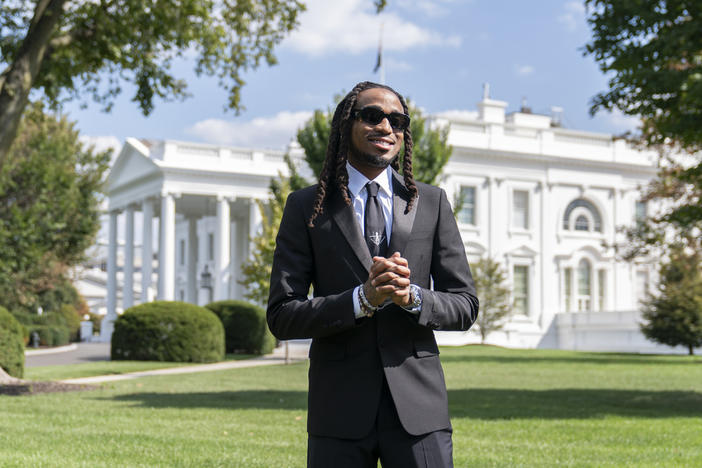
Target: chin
378	161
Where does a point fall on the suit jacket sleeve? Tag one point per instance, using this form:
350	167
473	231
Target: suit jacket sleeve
452	304
291	314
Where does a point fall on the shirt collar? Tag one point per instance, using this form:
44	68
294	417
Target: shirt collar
357	180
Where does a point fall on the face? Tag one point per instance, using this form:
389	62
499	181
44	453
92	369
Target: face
374	147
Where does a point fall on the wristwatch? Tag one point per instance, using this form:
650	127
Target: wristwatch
416	298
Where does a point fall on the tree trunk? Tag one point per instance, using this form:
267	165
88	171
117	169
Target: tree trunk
690	350
18	78
5	378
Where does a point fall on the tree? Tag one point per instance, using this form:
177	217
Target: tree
495	306
429	153
65	48
49	211
256	271
652	50
674	315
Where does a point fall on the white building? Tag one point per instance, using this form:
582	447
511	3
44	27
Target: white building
541	199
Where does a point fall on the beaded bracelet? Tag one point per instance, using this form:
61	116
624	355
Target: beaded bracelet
366	307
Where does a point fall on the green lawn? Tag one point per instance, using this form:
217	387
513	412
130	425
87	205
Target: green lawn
509	408
90	369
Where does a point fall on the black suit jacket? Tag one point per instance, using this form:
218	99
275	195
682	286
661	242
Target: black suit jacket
348	357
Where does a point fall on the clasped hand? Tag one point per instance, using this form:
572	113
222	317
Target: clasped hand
389	278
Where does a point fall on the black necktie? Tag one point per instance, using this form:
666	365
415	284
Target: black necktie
375	222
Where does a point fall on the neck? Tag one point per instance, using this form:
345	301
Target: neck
371	172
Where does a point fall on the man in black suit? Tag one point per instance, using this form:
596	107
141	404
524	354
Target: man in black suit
371	242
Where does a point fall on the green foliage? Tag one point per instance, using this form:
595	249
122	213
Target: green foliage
245	327
651	50
97	46
673	316
49	211
49	335
11	344
256	271
313	138
429	153
495	307
168	331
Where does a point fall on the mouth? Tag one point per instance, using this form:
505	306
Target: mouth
382	143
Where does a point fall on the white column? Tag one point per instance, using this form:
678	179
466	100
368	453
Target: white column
255	220
166	249
128	285
222	250
107	324
147	251
192	261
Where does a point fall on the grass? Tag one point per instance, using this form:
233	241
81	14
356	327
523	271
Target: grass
90	369
509	408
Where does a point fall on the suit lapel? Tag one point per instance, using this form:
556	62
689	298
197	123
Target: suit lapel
346	220
402	222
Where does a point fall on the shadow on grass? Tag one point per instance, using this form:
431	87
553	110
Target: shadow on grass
478	403
581	358
490	403
244	399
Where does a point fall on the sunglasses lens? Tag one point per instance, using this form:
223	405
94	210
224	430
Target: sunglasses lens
398	121
373	116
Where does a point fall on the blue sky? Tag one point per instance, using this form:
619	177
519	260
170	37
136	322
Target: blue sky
439	53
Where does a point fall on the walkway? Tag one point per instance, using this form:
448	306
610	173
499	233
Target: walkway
91	352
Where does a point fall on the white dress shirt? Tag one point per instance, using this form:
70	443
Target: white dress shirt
359	197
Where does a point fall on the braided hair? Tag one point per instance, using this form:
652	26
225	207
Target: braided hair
334	176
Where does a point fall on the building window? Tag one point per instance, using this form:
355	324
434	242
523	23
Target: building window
581	215
601	287
582	223
182	252
210	246
520	209
568	286
584	285
641	211
521	289
467	213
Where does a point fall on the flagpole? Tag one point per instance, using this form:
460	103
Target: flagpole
380	55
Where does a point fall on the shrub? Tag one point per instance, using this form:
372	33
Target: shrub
245	327
168	331
11	344
50	335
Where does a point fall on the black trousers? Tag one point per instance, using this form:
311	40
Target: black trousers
388	442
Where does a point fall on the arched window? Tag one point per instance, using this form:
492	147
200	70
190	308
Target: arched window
582	223
581	215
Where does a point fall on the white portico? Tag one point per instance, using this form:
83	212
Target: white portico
196	207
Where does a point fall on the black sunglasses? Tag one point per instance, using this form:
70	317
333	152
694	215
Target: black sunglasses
373	115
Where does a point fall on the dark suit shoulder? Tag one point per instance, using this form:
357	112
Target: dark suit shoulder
429	193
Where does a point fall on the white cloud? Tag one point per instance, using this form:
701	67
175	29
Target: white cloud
618	122
398	65
430	8
573	15
351	26
524	70
261	132
102	143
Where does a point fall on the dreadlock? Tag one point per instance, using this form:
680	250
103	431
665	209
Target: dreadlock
334	176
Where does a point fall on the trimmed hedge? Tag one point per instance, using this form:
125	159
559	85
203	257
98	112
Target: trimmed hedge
245	327
168	331
50	335
11	344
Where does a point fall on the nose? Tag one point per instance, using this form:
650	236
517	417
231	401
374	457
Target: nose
385	125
